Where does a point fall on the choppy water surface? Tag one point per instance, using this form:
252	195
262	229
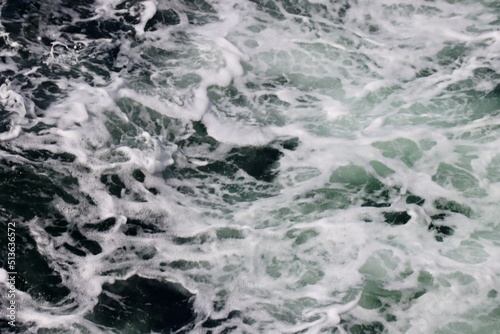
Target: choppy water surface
252	166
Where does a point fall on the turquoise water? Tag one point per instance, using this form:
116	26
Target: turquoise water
252	166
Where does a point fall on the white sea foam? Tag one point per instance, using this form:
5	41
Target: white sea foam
148	11
379	98
13	104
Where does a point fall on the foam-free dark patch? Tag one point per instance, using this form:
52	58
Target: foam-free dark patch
397	218
143	305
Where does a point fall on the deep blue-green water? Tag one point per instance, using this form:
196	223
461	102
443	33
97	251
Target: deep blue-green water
232	166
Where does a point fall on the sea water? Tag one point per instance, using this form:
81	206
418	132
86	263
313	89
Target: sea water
232	166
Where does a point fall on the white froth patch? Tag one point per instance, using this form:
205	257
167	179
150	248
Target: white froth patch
232	58
3	276
229	19
154	160
230	132
14	132
14	104
148	10
68	114
78	126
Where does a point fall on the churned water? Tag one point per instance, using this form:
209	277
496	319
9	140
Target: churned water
232	166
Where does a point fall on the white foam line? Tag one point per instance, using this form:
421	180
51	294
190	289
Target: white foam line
486	121
322	41
148	12
165	107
